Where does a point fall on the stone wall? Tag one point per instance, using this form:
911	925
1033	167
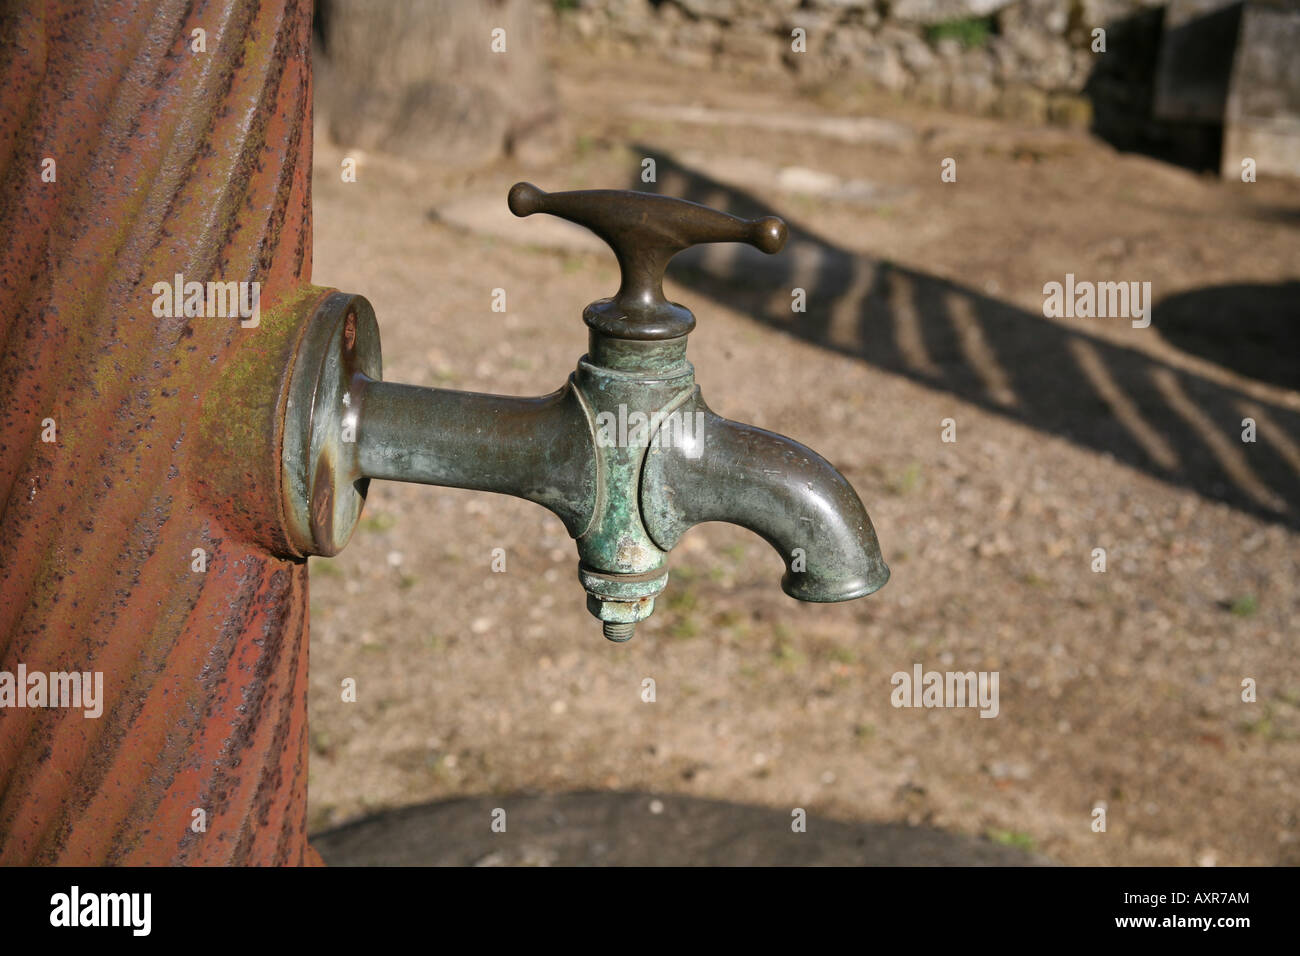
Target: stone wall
1029	60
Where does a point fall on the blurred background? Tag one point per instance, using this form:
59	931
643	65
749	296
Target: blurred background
1113	156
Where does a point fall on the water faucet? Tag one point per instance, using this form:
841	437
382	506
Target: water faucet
625	453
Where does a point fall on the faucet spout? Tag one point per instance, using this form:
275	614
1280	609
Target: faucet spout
540	449
774	486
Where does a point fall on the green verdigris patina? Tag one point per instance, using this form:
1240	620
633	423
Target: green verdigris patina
626	453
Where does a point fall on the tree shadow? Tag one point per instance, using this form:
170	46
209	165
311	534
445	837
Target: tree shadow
640	829
1177	425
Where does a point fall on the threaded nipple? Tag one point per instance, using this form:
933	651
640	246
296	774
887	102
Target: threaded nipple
619	631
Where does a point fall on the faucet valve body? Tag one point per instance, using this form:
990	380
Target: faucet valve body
626	453
620	566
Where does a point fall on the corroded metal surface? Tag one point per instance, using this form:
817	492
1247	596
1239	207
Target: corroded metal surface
539	449
168	161
323	491
626	453
801	505
692	465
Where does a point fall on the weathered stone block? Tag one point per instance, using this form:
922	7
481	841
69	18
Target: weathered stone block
939	11
1263	109
883	66
1023	104
932	88
1069	110
973	93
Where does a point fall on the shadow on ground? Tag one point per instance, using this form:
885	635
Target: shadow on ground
1250	328
1175	424
622	829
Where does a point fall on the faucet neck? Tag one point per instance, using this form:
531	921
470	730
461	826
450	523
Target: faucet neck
656	358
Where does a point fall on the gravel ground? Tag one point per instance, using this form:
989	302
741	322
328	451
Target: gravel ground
1120	690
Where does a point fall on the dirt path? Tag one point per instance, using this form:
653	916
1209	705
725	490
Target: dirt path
1119	689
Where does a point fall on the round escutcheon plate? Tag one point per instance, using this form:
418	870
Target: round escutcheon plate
323	488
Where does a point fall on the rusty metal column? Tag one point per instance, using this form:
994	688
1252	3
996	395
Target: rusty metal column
141	525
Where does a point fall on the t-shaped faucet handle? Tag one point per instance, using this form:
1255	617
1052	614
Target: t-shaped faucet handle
645	230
